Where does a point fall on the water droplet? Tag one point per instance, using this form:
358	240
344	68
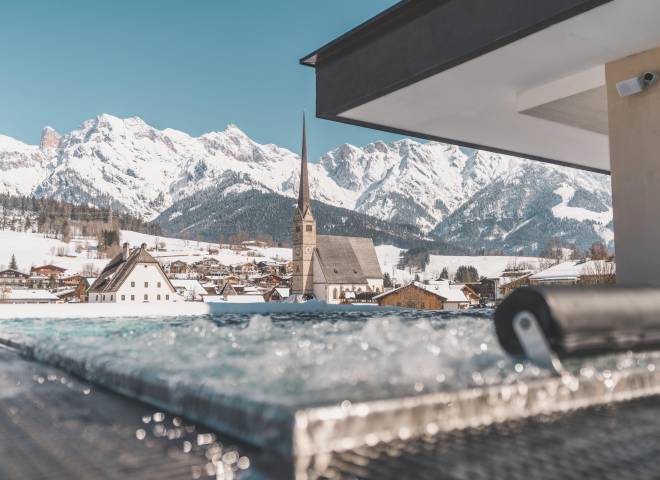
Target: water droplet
140	434
159	417
243	463
230	457
146	418
187	446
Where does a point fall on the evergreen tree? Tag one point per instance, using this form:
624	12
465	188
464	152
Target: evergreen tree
387	280
466	274
444	275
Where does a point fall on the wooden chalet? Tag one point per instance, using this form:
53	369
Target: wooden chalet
411	296
507	288
13	278
47	270
178	267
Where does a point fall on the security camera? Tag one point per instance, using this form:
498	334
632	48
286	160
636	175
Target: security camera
636	84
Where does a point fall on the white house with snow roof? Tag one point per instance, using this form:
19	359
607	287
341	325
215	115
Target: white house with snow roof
132	277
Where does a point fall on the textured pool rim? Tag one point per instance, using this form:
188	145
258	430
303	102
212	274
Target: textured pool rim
307	433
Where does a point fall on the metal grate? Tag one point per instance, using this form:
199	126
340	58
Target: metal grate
606	442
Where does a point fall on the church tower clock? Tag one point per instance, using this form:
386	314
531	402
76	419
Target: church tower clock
303	233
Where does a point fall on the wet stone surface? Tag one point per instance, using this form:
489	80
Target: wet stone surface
54	426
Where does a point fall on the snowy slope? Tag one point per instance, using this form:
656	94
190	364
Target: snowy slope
32	249
488	265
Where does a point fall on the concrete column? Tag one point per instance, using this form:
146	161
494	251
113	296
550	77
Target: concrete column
634	129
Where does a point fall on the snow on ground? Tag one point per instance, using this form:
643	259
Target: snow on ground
580	214
32	249
488	266
191	251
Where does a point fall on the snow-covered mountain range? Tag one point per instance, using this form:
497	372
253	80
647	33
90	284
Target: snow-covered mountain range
460	194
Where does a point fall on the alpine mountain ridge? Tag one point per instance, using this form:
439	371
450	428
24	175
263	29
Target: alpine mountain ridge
475	199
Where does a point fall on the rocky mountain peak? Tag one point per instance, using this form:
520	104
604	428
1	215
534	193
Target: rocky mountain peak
50	139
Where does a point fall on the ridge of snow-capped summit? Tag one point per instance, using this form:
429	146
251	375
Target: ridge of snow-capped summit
135	167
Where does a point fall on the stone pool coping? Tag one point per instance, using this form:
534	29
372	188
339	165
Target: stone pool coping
173	309
309	433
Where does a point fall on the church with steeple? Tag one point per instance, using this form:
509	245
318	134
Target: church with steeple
328	267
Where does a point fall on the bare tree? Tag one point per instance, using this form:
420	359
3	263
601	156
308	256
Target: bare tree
598	251
598	272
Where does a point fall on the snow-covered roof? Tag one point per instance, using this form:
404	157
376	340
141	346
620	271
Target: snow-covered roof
234	299
284	292
28	294
572	270
188	284
452	293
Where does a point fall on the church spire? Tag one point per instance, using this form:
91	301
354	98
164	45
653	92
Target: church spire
303	192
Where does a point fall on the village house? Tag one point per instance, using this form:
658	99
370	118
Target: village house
189	289
236	294
178	267
66	294
574	272
132	276
47	271
70	281
222	279
512	283
268	280
326	266
26	295
436	295
13	278
244	270
254	244
40	282
413	295
277	294
83	287
470	293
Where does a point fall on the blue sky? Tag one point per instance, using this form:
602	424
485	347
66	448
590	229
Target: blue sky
192	65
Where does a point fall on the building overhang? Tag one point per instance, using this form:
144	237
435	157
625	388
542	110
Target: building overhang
520	77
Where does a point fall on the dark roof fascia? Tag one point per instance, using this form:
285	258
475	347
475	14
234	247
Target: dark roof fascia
392	16
461	143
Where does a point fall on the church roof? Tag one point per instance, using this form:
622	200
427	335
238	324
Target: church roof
349	260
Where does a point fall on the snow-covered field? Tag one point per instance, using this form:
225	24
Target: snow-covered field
33	249
487	266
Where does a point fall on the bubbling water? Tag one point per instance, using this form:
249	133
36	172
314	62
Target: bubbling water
292	359
288	358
